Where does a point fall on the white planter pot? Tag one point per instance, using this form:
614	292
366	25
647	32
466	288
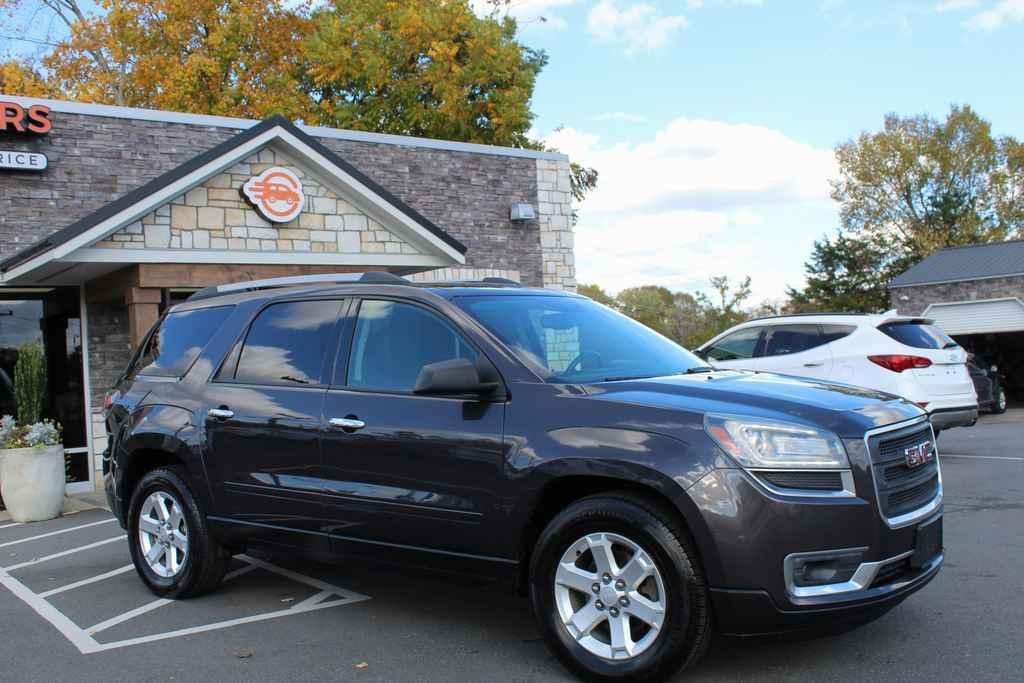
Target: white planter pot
32	482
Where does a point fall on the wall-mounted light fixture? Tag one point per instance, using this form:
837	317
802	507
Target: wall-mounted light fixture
522	212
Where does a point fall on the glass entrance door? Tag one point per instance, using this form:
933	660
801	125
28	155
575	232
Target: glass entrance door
51	320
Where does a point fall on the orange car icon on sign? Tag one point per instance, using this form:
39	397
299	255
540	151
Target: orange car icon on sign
276	193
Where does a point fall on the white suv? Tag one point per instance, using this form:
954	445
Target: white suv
909	357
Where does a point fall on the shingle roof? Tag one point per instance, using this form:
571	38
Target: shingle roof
966	263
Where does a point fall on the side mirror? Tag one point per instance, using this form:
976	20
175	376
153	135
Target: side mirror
701	353
454	377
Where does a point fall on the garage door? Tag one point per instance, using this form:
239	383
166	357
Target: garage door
979	317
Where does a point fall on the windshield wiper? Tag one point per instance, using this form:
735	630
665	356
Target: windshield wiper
951	345
297	380
697	369
624	378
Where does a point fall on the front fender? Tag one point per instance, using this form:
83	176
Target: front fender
659	463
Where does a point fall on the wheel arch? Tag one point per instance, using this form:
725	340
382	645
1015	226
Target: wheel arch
158	436
665	497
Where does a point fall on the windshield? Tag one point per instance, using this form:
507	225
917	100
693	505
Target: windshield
569	340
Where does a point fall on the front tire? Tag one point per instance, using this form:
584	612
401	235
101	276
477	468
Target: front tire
618	591
170	544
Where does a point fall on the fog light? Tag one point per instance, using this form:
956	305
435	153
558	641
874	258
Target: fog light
821	570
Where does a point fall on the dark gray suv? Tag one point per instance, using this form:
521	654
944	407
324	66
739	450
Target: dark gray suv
641	498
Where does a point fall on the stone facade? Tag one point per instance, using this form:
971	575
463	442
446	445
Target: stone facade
215	216
554	197
94	159
919	297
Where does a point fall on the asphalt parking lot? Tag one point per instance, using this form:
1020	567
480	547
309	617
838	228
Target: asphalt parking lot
72	609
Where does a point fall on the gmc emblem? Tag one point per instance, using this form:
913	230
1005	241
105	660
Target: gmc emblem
920	454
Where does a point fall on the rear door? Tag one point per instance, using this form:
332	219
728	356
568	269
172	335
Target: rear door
263	420
796	349
735	350
947	375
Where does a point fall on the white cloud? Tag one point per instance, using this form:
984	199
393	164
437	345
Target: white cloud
694	201
527	12
623	116
637	27
1003	12
955	5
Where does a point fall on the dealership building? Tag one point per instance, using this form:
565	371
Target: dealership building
975	294
108	215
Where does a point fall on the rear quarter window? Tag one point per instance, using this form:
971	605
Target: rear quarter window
175	345
918	335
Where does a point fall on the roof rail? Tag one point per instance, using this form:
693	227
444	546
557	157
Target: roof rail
370	277
501	281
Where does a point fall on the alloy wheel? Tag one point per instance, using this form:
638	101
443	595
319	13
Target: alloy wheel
610	596
163	534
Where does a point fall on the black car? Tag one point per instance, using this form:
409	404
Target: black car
987	384
641	498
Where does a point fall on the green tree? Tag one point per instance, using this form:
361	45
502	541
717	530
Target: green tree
921	184
407	67
846	274
651	305
725	308
598	294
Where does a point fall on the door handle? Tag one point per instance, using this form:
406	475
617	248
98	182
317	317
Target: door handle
347	423
221	413
813	365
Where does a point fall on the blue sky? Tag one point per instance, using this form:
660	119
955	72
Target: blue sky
712	122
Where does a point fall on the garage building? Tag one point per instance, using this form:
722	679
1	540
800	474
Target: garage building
108	215
975	294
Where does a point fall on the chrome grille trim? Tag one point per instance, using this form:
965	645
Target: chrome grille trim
928	508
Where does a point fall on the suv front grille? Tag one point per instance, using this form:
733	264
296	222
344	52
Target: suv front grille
902	489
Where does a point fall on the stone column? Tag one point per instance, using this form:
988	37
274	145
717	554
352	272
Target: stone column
554	204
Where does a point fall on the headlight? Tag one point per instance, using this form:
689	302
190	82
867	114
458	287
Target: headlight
770	444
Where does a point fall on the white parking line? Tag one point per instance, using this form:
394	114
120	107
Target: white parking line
55	533
8	526
86	582
130	614
79	549
328	596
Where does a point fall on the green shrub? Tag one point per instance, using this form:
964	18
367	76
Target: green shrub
30	382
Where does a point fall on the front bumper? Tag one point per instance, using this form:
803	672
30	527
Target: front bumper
944	418
756	536
756	613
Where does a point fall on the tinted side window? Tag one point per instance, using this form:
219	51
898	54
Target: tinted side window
286	343
393	341
172	349
736	346
831	333
917	335
785	339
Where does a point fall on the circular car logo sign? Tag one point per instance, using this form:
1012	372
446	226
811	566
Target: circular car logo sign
276	193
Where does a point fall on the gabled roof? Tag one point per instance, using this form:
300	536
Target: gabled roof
976	262
284	128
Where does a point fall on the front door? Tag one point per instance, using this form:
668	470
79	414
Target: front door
263	421
400	468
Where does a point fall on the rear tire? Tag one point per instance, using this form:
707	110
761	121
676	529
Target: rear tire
170	543
607	634
999	404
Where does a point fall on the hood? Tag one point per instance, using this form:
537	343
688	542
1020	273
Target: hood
846	410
